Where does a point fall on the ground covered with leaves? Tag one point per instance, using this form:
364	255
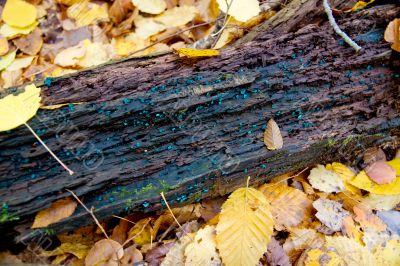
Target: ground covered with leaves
328	215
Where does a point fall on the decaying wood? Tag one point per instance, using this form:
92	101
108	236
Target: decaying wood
195	129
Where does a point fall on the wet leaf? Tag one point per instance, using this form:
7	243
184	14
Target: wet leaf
58	210
325	180
245	224
105	252
330	213
18	13
272	136
381	173
16	110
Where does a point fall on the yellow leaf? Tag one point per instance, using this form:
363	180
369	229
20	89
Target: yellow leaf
10	32
193	53
105	252
395	164
202	250
146	27
352	253
362	181
272	136
15	110
390	254
71	55
96	54
241	10
19	13
150	6
143	232
346	174
316	257
381	202
77	249
374	239
325	180
86	13
360	5
177	16
245	227
289	206
20	63
7	59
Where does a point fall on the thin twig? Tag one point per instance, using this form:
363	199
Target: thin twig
48	149
287	178
122	218
336	28
138	233
219	33
90	212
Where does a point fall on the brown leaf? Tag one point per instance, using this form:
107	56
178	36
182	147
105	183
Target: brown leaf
211	207
74	37
373	154
275	254
31	43
381	173
132	256
392	34
4	47
155	255
58	210
119	10
125	26
272	136
120	232
105	252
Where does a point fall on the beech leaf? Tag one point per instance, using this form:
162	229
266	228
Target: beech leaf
272	136
58	210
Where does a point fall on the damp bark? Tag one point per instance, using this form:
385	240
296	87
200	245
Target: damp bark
195	129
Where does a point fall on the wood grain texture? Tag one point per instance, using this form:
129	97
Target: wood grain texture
196	130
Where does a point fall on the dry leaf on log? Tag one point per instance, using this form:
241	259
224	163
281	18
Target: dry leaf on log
272	136
59	210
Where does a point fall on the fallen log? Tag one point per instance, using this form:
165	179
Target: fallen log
195	130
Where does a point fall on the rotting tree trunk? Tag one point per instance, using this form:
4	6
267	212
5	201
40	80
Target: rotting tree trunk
196	130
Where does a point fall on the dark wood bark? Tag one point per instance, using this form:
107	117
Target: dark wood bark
195	129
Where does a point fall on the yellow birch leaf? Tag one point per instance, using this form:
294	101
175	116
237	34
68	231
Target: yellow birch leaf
194	53
143	232
10	32
20	63
325	180
146	27
77	249
58	210
241	10
7	59
15	110
202	250
362	181
96	54
177	16
245	227
390	254
150	6
86	13
381	202
346	174
272	136
395	164
352	253
19	13
71	55
289	206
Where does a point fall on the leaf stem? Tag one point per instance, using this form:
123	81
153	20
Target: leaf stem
48	149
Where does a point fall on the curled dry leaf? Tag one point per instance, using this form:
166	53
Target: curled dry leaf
275	254
3	46
30	44
105	252
381	173
70	56
392	34
156	254
58	210
272	136
119	10
330	213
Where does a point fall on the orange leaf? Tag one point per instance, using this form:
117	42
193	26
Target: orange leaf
58	210
392	34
